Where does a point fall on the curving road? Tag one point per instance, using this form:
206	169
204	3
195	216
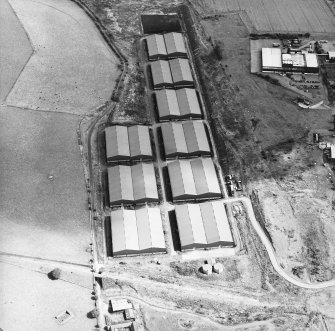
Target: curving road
272	255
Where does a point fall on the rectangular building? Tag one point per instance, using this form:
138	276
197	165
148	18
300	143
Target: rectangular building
203	225
271	59
193	180
130	143
181	72
178	104
175	45
138	231
156	47
185	139
161	74
129	185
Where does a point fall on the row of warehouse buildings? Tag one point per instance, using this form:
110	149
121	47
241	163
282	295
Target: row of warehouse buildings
185	146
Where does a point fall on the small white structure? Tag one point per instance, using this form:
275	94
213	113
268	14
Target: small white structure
206	269
218	268
120	304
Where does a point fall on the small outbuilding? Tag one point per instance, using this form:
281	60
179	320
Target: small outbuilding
138	231
130	143
193	180
181	73
178	104
175	45
161	74
185	139
156	47
203	225
132	184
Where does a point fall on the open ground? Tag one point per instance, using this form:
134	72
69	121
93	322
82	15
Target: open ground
313	16
60	69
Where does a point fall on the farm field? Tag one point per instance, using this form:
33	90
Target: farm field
72	69
33	308
313	16
15	52
42	217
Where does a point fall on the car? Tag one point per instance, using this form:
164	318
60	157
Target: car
228	178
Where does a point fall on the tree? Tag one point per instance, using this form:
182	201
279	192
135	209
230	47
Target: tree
93	313
55	274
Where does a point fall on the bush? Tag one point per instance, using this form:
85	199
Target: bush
93	313
55	274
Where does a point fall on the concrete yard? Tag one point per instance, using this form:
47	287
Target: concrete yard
72	69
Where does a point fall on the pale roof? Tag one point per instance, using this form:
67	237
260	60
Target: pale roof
167	103
156	45
174	42
271	57
161	72
188	102
311	60
181	70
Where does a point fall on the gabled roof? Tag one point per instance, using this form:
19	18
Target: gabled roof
161	73
181	70
167	104
185	139
132	184
193	179
137	231
175	44
203	225
156	45
188	102
127	143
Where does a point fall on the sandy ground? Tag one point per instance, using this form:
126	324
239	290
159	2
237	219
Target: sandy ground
72	69
42	217
14	52
33	308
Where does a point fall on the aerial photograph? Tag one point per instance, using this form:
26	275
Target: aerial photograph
167	165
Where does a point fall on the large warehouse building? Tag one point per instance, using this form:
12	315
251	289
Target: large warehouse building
156	47
161	74
175	45
274	61
178	104
132	184
203	225
172	73
185	139
138	231
130	143
193	180
181	72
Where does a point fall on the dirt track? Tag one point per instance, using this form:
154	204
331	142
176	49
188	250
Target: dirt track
72	69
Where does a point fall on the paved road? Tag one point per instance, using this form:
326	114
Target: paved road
272	255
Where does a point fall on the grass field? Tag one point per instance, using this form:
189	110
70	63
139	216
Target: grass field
42	217
72	69
312	16
14	52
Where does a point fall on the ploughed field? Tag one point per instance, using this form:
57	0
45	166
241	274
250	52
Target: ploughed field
313	16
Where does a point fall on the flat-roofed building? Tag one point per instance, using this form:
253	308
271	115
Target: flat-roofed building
156	47
177	104
203	225
138	231
181	72
185	139
132	184
161	74
175	45
130	143
271	59
193	180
